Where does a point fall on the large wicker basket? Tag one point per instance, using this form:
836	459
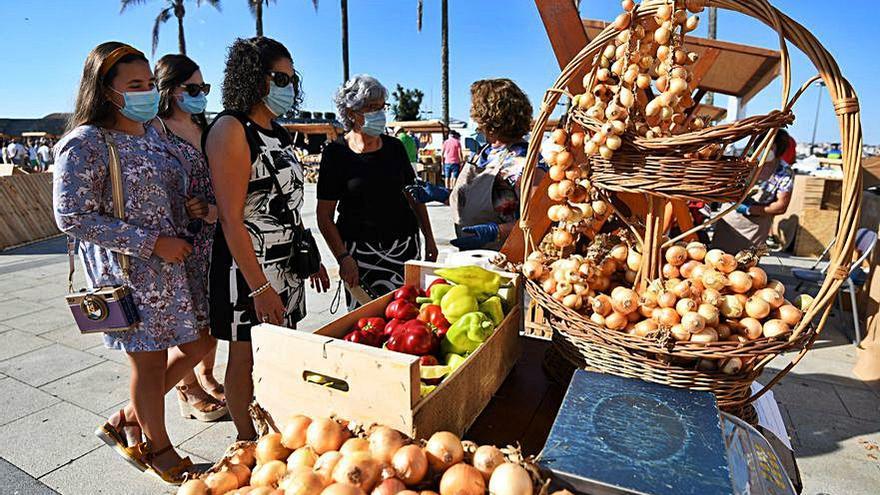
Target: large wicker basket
656	168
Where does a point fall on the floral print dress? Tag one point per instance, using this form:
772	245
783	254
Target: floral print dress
154	182
198	262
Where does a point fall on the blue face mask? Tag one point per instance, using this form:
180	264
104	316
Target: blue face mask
374	123
279	100
140	106
193	104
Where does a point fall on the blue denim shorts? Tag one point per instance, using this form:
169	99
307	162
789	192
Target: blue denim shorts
451	170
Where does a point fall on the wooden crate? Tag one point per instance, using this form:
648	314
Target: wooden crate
369	384
26	214
816	229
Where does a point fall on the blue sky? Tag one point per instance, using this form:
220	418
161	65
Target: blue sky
46	41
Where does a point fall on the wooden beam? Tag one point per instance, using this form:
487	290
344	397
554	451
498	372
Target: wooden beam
701	68
566	32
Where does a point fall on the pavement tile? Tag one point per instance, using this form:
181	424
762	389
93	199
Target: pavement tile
798	393
94	389
71	337
50	317
13	308
54	436
826	475
109	354
47	364
841	436
45	293
90	474
212	443
16	343
860	403
23	483
22	399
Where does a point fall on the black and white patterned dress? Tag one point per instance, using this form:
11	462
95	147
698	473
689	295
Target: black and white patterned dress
271	231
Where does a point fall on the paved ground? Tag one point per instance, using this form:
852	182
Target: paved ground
57	386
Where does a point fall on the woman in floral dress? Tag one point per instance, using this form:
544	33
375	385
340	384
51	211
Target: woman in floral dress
183	97
116	98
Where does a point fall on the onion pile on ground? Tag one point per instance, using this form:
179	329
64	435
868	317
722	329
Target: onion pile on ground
322	457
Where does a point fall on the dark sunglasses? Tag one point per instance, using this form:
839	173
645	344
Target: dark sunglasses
281	79
194	89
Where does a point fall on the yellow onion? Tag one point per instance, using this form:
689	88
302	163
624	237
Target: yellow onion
713	279
710	313
443	450
343	489
304	483
645	327
666	317
711	296
359	469
391	486
619	253
244	455
670	271
679	333
789	314
708	335
269	448
616	321
486	459
598	319
667	299
724	330
713	257
775	328
633	260
221	482
325	464
757	308
777	286
624	300
751	328
739	281
731	307
533	270
771	296
685	305
293	435
241	472
410	464
302	458
759	277
268	474
462	479
325	434
693	322
726	264
510	479
732	366
355	445
687	269
193	487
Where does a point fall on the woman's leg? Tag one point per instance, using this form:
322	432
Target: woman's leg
239	385
148	401
205	371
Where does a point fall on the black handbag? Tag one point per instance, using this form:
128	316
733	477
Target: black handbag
304	259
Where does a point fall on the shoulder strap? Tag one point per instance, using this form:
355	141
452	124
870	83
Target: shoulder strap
118	206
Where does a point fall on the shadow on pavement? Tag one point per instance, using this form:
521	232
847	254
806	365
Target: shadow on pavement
55	245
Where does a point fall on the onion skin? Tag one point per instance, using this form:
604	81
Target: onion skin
293	435
624	300
696	251
359	469
301	458
772	296
616	321
410	463
193	487
245	455
739	282
486	459
325	434
443	450
757	308
269	448
325	464
268	474
789	314
384	442
510	479
462	479
751	328
306	483
353	445
706	336
240	471
391	486
759	277
342	489
775	328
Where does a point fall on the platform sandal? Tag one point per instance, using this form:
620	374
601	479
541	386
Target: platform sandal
114	436
173	476
205	410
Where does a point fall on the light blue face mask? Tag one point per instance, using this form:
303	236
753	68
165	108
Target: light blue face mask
140	106
279	100
193	104
374	123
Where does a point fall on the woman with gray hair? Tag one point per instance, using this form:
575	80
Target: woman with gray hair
364	176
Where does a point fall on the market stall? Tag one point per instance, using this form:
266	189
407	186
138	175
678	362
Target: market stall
669	334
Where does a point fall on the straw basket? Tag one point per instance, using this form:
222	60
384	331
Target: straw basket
657	168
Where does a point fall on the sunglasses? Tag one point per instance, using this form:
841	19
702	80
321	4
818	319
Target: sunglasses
194	89
281	79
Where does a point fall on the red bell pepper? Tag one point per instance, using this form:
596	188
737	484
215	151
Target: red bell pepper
402	310
433	316
362	337
407	292
391	326
375	325
439	281
413	337
428	360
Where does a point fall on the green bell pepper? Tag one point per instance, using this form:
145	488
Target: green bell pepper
482	283
493	309
437	293
467	333
454	361
457	302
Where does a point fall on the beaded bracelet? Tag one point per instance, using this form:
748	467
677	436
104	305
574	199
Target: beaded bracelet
259	290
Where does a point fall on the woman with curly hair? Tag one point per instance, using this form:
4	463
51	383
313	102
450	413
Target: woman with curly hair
258	184
485	198
365	174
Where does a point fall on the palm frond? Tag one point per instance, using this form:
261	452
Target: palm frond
419	9
162	18
124	4
212	3
315	4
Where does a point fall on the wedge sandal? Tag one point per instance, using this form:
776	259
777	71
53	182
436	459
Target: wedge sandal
114	437
173	476
200	409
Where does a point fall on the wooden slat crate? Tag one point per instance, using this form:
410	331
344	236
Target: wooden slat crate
26	213
369	384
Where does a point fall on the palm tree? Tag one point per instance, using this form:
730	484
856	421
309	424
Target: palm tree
173	7
256	7
444	51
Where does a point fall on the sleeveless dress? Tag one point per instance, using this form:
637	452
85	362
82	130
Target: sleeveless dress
199	185
271	231
153	179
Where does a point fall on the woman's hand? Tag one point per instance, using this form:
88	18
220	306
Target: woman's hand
269	307
320	281
431	250
197	207
348	271
172	249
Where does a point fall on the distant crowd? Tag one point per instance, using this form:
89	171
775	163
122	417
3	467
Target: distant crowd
33	155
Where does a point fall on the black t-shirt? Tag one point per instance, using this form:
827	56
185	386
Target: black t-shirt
369	189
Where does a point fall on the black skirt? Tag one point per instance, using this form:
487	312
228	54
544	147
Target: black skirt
380	264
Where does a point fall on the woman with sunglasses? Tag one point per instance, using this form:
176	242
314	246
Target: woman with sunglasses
117	98
365	174
258	183
183	98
